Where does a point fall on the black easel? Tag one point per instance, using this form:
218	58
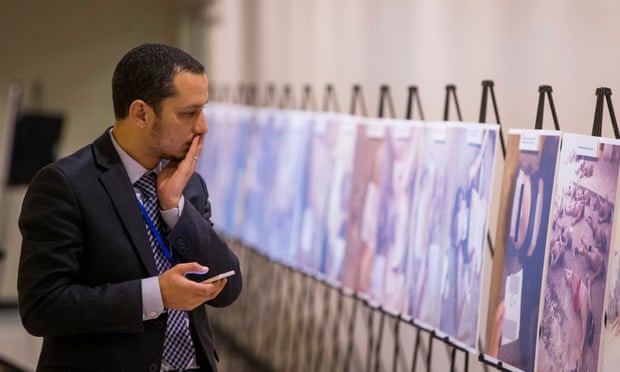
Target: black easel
330	96
260	342
413	97
297	296
305	302
291	291
270	94
328	290
238	96
251	98
597	127
385	99
264	342
355	97
282	343
286	101
384	96
278	308
545	91
307	99
223	92
487	89
451	92
213	92
268	280
379	339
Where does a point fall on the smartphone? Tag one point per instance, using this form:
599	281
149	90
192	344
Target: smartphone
219	276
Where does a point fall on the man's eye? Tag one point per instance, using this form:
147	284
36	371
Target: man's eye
191	114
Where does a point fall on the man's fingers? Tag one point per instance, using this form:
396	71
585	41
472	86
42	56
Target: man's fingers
216	288
196	147
191	268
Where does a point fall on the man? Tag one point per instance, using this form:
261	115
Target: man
93	281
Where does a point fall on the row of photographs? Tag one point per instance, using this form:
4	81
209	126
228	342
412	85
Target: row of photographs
397	211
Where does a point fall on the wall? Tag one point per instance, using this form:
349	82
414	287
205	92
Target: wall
519	45
72	46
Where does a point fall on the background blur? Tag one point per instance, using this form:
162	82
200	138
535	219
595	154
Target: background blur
70	47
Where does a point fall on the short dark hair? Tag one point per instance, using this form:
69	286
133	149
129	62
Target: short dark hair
146	72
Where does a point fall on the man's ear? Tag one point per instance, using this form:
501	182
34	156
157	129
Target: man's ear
140	112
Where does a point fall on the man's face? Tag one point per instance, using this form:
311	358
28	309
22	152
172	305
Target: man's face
181	118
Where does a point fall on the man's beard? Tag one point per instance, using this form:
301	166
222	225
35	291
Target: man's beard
157	137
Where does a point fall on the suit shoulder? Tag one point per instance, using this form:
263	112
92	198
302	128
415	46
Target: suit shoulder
73	165
98	154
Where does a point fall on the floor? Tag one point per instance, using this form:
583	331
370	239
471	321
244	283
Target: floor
17	347
19	351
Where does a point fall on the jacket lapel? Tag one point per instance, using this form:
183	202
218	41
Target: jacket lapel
116	182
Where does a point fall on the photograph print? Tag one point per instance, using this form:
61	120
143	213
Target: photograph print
429	233
404	141
582	218
469	185
285	204
223	163
338	199
611	330
520	246
362	228
321	148
263	144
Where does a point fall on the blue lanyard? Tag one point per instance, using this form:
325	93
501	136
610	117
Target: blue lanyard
154	231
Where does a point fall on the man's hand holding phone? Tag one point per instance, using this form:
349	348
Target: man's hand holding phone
182	293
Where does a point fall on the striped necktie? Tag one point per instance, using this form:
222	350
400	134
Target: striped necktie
178	346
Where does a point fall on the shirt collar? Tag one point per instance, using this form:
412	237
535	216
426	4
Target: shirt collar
134	169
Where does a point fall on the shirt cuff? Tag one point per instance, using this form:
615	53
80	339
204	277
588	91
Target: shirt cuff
152	303
171	216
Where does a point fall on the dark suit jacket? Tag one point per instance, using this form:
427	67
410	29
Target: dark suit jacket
84	253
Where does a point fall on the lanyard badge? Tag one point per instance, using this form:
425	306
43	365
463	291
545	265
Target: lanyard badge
154	231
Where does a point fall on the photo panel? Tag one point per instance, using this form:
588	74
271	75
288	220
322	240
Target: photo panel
610	358
468	191
323	136
209	165
520	246
237	193
260	173
404	142
285	204
222	161
363	212
575	284
339	195
429	233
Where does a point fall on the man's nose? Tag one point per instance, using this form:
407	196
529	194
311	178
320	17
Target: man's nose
201	125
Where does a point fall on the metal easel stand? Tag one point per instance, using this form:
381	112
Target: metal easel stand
597	127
